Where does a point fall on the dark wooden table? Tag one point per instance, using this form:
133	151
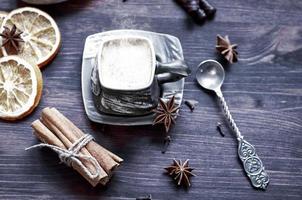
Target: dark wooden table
263	90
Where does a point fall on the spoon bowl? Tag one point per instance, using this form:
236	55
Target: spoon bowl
210	75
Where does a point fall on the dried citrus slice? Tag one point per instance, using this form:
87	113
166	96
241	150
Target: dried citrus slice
40	33
20	87
2	16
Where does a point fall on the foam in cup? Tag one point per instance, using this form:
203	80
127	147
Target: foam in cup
126	64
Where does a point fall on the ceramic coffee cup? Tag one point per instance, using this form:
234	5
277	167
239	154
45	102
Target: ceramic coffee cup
126	78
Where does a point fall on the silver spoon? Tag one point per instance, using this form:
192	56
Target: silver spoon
210	75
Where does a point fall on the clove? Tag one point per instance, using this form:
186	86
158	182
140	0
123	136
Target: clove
219	128
167	141
191	104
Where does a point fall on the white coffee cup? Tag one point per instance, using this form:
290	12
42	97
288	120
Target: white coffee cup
126	78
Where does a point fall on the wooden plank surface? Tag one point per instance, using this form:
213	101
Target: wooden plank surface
263	90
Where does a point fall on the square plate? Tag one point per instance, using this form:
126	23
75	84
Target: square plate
167	49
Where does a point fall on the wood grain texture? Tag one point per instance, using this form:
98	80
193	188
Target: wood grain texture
263	90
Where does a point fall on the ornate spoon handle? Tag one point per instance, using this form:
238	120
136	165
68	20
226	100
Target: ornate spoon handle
252	164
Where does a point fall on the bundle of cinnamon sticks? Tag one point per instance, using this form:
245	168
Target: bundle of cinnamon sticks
54	128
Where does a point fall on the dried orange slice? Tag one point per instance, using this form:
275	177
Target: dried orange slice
40	33
20	87
2	16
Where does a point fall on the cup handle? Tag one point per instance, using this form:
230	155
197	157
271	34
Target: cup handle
172	71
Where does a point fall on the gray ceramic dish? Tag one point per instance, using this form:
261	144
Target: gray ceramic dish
167	48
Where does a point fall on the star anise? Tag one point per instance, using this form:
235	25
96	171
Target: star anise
227	49
166	113
181	172
11	38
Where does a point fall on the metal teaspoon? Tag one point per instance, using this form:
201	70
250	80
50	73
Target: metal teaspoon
210	75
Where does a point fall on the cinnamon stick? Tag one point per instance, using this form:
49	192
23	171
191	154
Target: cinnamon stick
93	147
57	132
79	134
68	141
61	129
46	136
55	129
73	133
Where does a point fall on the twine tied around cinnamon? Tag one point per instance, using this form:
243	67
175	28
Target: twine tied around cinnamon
71	155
